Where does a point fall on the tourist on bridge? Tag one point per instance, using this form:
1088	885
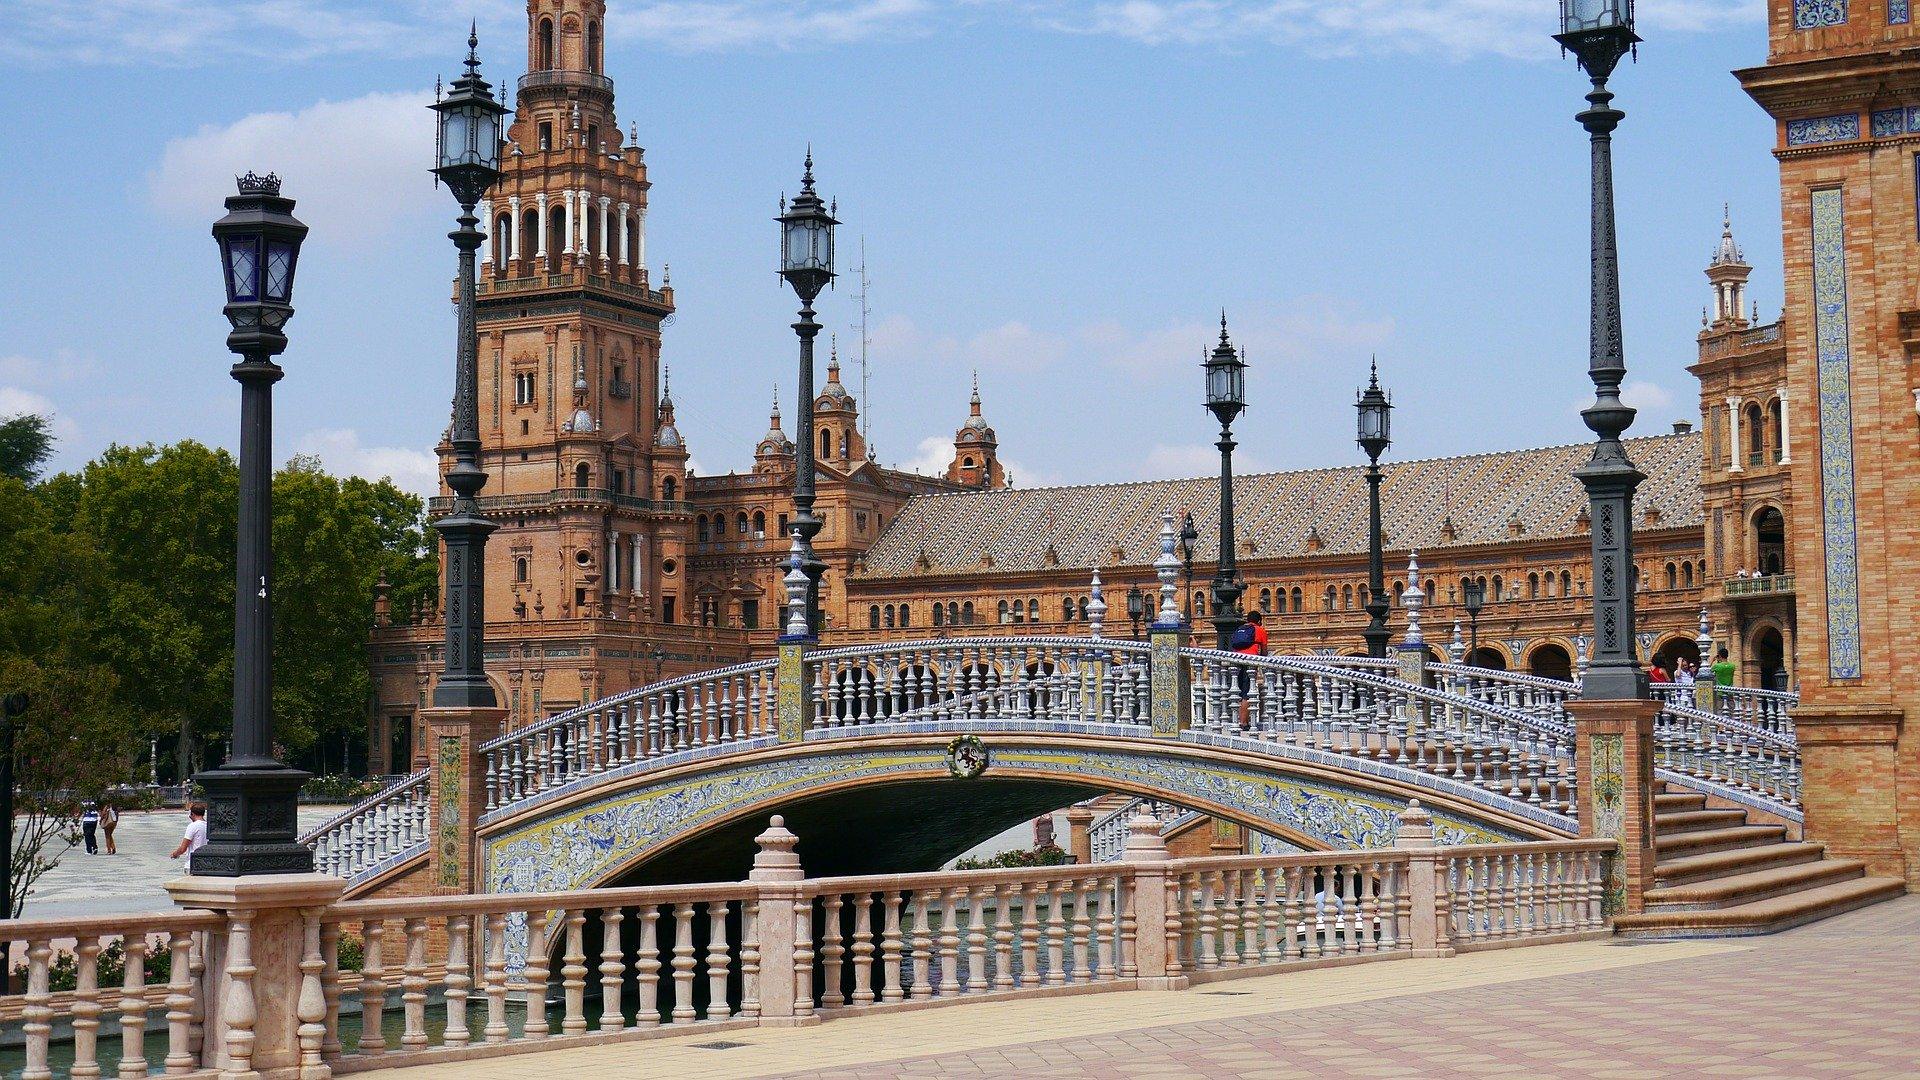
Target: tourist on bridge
1251	639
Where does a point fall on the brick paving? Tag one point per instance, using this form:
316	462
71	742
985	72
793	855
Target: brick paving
1840	998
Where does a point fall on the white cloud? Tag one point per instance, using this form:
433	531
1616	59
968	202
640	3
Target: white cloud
339	449
1305	331
352	167
1453	28
930	458
203	31
1167	461
14	401
1015	344
1646	397
703	26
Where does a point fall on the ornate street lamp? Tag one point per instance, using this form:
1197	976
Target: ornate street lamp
1376	429
1474	595
806	261
1226	397
469	163
251	826
1136	608
1188	537
1599	33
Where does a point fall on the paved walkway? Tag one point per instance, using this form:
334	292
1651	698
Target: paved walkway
1840	998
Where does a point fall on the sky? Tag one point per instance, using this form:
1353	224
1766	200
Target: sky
1062	196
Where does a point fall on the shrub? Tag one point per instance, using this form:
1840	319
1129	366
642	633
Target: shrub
1044	855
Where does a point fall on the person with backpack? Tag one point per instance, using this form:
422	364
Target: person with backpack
89	823
1249	639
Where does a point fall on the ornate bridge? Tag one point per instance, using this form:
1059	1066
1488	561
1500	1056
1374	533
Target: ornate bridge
1321	752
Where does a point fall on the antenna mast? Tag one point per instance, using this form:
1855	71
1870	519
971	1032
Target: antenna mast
866	403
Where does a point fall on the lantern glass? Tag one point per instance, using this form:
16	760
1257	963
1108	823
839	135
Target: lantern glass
453	137
1374	421
1577	16
1226	383
1474	596
243	268
1136	603
487	139
281	255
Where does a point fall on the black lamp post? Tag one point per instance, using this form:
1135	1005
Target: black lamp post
1474	595
469	163
1188	537
1376	428
1136	608
252	798
806	261
1226	397
1599	33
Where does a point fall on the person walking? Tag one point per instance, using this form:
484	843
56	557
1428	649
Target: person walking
109	819
89	824
1249	640
195	837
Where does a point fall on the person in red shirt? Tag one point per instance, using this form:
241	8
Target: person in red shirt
1251	640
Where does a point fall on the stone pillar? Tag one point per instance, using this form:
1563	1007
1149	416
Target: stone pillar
1426	883
777	910
1157	958
1171	693
603	202
1733	435
566	196
540	229
1786	444
624	207
485	213
1613	760
1850	770
457	794
513	233
252	1024
1079	834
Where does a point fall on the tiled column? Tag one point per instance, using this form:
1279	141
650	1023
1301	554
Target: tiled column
1613	760
1171	693
457	794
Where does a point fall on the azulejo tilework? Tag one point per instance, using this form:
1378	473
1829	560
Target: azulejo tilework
1823	129
451	767
1898	12
1813	14
1833	358
1609	756
1886	123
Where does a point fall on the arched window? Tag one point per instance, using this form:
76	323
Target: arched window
1066	609
1083	609
529	232
1266	599
1756	434
1686	575
966	613
759	524
740	523
497	243
582	475
1673	576
667	489
594	59
906	620
556	233
939	614
1770	541
1533	586
1033	611
1773	430
1296	597
826	442
966	463
702	529
1332	595
546	44
1566	583
520	569
873	617
1005	616
890	616
1398	588
1200	604
845	450
1496	594
1346	597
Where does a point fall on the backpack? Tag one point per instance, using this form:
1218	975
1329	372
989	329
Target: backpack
1242	638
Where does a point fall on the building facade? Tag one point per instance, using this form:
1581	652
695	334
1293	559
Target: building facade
1842	84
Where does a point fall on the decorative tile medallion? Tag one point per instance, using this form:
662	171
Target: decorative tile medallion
1608	755
1886	123
790	712
1833	359
1813	14
1167	672
1898	12
447	813
1823	129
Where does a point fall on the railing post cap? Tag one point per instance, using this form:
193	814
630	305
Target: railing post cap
1416	827
776	859
1144	841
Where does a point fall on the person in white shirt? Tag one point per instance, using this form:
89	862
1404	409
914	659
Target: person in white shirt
195	837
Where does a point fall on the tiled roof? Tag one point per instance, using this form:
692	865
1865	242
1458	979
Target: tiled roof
1481	495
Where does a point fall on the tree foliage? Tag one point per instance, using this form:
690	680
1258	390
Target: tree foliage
116	614
25	444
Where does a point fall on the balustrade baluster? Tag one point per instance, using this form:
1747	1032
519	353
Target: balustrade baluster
180	997
458	980
1104	896
921	942
803	957
949	943
1056	934
373	988
719	961
1208	922
86	1008
1030	934
683	964
647	963
1004	901
976	938
890	947
832	954
863	949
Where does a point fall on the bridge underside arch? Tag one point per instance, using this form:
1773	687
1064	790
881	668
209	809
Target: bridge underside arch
878	804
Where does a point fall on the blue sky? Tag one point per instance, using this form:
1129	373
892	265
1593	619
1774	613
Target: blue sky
1062	195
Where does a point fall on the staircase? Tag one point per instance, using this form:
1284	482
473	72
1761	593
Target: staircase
1717	875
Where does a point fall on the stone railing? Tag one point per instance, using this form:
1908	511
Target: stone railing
386	828
1734	756
1764	585
314	986
1061	678
1769	710
704	709
1107	836
1506	751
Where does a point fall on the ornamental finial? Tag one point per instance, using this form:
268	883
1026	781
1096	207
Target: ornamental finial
1167	569
1411	600
795	582
806	178
1096	607
255	184
473	47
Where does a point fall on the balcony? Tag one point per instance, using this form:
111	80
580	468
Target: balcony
442	505
1770	585
584	80
619	389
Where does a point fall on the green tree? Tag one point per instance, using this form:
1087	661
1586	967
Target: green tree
25	444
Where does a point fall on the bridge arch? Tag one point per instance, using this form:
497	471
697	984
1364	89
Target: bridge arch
604	832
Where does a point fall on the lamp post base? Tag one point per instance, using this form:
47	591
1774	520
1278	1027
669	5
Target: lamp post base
252	822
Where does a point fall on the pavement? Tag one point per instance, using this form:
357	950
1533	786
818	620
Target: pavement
1838	998
133	880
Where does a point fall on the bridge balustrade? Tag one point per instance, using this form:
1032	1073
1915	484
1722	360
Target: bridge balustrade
385	828
1084	679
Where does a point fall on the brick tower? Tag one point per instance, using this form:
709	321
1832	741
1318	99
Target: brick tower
1842	83
976	450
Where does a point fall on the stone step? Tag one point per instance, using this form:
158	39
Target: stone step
1672	823
1683	869
1734	889
1722	839
1678	800
1763	916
